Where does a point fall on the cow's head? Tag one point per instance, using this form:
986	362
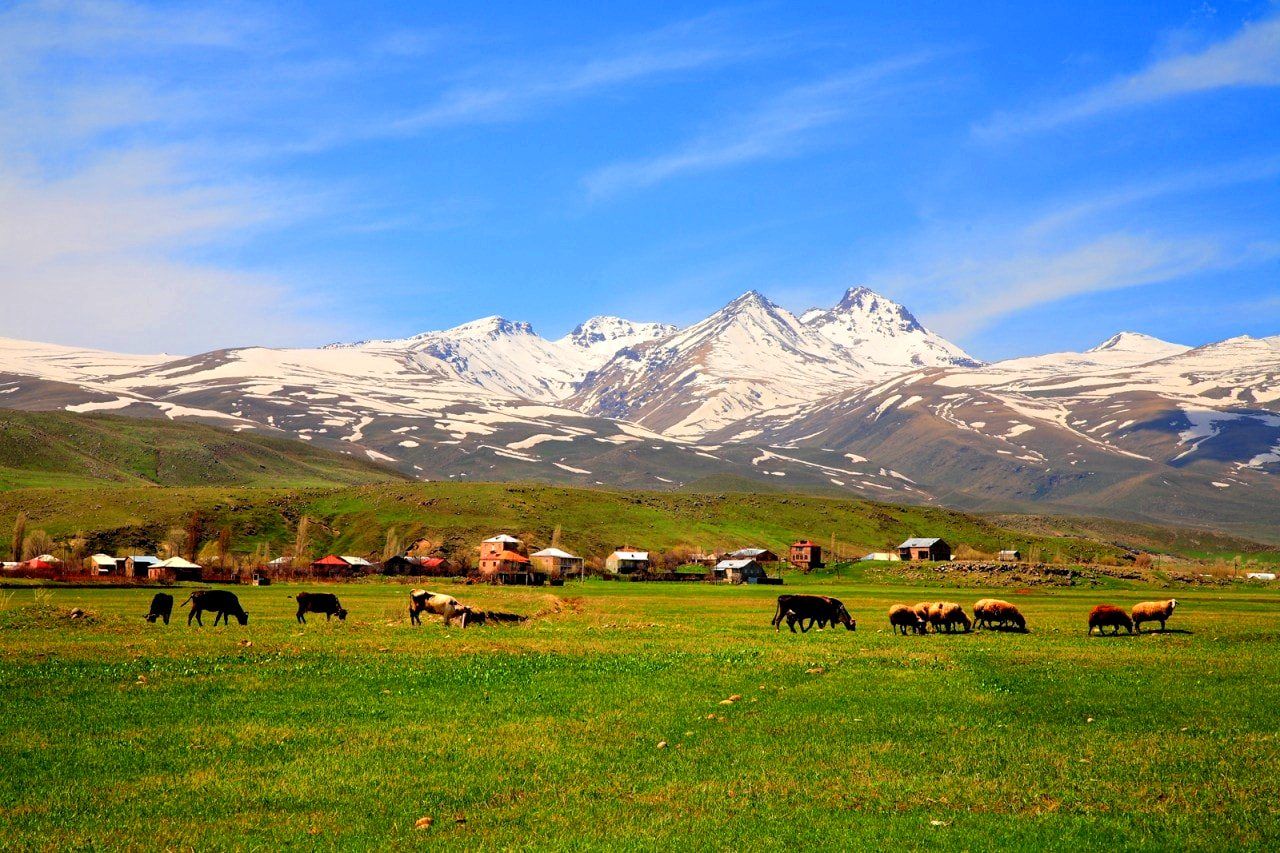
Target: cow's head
341	613
242	618
846	620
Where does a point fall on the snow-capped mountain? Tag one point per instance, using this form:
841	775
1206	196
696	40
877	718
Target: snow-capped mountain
603	337
883	333
748	357
859	398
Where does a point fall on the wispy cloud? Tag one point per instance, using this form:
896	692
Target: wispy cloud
779	128
109	201
513	91
1249	58
987	271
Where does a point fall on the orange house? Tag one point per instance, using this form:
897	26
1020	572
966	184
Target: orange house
502	554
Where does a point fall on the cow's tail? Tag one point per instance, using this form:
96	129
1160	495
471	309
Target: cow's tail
189	597
777	615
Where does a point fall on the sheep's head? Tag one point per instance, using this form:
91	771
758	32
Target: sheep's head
1173	602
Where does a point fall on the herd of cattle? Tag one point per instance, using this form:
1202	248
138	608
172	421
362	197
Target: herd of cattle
803	610
821	610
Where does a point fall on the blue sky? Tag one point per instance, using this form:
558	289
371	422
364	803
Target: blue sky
1025	177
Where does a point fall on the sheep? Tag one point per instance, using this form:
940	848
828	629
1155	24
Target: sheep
922	610
1105	615
948	613
1152	611
994	613
902	617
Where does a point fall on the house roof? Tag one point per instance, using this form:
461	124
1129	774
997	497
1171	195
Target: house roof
734	564
513	557
330	560
803	543
556	552
749	552
630	555
920	543
356	561
176	563
146	560
504	538
103	560
430	562
279	561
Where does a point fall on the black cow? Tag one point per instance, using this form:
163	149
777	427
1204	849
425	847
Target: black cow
161	607
811	609
319	602
219	601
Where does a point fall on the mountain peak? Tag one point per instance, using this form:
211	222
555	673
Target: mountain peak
1138	343
605	334
491	326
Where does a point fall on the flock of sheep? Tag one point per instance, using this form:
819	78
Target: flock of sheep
994	613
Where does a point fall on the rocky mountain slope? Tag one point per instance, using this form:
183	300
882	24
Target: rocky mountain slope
859	399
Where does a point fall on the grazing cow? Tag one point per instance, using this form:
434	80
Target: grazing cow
218	601
319	602
811	608
161	607
1108	615
443	605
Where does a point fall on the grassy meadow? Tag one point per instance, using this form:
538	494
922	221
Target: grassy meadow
118	733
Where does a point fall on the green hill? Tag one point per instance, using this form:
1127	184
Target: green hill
355	520
60	449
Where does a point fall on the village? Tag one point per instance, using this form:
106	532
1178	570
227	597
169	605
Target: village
501	559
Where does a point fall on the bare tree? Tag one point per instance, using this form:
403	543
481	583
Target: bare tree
555	537
392	546
35	543
19	535
195	532
302	543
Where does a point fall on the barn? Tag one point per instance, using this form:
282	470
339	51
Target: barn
331	565
930	549
138	565
175	569
1009	556
103	564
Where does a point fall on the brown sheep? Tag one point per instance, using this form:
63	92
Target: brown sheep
994	613
922	610
1152	611
902	617
947	614
1108	615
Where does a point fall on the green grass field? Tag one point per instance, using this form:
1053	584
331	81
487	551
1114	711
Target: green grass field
545	735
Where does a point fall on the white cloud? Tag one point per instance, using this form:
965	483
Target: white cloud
1250	58
511	92
779	128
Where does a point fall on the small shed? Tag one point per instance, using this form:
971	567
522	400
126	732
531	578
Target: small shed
625	562
880	556
556	563
805	555
358	564
933	549
139	565
1011	555
739	571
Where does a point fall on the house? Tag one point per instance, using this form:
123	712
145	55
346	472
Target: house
739	571
103	564
175	569
493	549
934	549
1010	556
805	555
624	562
402	564
330	565
880	556
760	555
556	563
1261	576
707	560
516	569
138	565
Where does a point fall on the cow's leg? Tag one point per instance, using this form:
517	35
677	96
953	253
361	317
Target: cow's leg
413	615
328	616
189	615
217	617
166	618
